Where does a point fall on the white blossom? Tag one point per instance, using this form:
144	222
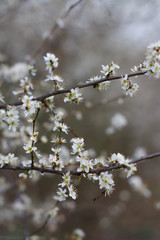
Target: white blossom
25	87
152	62
128	86
34	137
85	165
119	159
28	147
77	145
43	162
29	106
93	79
56	150
61	127
9	159
72	192
61	195
66	180
55	78
100	161
131	169
104	85
56	162
57	140
109	69
106	182
52	159
23	175
32	70
12	118
82	156
26	163
73	96
51	62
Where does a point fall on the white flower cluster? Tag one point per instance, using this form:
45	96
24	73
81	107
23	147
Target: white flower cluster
82	156
32	71
9	159
101	161
119	159
62	127
151	64
128	86
29	106
68	190
107	71
55	160
77	145
105	179
55	78
51	62
25	87
11	117
85	163
106	182
29	146
152	61
49	104
73	96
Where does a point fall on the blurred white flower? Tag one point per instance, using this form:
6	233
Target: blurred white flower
79	233
139	152
137	184
117	122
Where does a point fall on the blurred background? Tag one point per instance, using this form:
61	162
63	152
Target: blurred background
95	32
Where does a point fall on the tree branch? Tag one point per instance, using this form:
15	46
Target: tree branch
83	85
55	26
74	172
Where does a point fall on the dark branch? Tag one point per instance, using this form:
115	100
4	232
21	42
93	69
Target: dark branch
74	172
83	85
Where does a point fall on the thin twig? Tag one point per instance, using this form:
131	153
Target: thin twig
55	26
34	122
43	225
66	90
99	196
